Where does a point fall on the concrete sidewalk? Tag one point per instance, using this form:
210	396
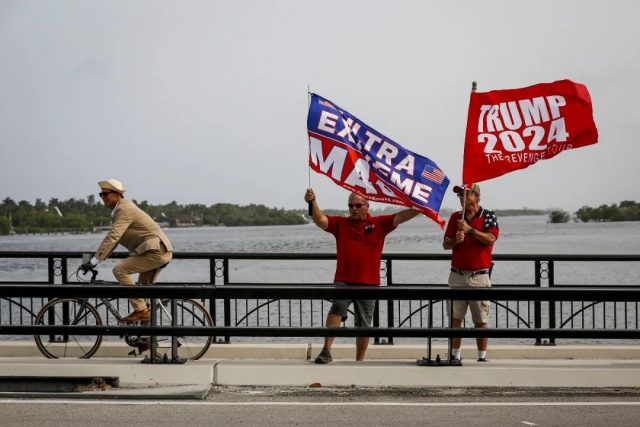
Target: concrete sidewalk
274	351
394	373
388	373
387	366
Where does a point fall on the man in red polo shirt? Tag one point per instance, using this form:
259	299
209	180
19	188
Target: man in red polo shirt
359	241
471	239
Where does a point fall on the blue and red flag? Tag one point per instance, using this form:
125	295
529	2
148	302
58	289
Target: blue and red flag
361	159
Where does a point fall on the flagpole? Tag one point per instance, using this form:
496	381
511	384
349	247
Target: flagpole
474	86
310	204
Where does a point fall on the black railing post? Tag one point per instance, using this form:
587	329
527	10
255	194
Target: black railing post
390	310
226	301
174	339
66	318
376	311
51	280
153	339
537	305
212	301
376	320
430	326
51	270
64	280
450	338
212	271
64	269
552	304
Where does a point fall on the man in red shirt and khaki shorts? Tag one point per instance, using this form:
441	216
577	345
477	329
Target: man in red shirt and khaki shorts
359	241
471	238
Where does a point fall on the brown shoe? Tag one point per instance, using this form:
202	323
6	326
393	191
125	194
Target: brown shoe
138	316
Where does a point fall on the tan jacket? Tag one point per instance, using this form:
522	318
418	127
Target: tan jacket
133	229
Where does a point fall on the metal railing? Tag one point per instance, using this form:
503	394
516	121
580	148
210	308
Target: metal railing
314	292
404	308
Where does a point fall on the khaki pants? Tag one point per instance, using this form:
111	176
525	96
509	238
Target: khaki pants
147	265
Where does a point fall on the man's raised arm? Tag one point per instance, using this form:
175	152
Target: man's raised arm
318	217
404	216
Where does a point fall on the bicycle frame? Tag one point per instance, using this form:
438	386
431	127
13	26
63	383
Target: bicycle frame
80	311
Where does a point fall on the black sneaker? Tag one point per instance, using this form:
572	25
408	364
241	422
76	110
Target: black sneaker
482	359
455	362
324	357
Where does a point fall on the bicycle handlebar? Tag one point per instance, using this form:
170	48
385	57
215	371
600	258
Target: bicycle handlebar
93	271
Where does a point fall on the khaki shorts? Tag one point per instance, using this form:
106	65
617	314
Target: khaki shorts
479	309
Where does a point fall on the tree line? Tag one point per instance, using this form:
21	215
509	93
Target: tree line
84	215
627	210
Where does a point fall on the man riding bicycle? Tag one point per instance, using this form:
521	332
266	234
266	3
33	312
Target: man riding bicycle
149	248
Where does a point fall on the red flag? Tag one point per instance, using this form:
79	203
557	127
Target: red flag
512	129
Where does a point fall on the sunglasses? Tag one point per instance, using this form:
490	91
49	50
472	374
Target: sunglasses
104	194
461	195
355	205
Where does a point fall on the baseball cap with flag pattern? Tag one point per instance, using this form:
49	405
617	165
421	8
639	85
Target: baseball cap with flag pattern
473	187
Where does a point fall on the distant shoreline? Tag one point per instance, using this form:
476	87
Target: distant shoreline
86	216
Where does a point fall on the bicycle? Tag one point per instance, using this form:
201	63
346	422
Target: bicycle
80	311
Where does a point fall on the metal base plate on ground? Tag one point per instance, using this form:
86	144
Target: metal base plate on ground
164	359
438	362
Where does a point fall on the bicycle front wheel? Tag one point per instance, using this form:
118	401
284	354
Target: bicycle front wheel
188	313
68	311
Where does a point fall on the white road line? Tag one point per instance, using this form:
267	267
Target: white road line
280	403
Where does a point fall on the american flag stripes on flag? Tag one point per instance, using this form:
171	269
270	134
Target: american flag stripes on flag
433	174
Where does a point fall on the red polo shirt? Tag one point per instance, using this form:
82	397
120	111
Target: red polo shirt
471	254
359	247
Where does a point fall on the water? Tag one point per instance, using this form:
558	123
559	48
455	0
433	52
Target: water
518	235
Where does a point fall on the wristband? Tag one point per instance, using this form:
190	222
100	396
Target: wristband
471	231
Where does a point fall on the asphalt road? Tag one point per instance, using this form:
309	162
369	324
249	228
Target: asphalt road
324	407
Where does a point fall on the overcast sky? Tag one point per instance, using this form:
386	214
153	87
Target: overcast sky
206	101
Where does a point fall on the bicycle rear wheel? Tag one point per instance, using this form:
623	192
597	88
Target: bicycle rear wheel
68	311
188	313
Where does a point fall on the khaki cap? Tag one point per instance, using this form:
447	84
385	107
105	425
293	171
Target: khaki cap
113	185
